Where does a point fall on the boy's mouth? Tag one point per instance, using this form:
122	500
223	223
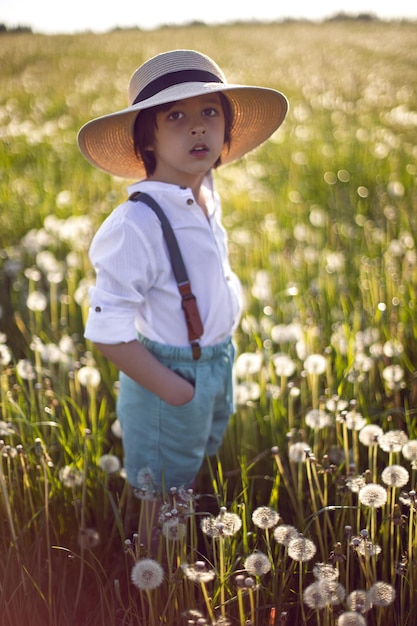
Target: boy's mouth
199	150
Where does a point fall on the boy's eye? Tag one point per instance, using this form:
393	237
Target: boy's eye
210	112
175	115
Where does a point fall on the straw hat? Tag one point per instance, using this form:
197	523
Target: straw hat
107	141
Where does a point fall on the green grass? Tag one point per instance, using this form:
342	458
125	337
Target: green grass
322	223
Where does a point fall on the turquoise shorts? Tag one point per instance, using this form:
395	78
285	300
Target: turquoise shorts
164	445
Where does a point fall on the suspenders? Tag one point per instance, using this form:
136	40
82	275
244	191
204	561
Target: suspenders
189	303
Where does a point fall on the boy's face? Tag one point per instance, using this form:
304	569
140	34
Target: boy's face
189	139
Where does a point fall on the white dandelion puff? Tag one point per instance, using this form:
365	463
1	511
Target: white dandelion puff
359	601
354	420
265	517
350	618
257	564
248	363
409	450
393	441
109	463
373	496
284	365
37	301
315	364
395	476
301	549
147	574
325	571
318	419
71	476
381	594
297	452
89	376
198	572
285	533
370	434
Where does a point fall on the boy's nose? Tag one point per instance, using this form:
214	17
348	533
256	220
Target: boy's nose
198	129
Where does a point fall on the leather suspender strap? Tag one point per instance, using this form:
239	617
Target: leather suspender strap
189	302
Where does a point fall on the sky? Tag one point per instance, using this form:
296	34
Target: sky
71	16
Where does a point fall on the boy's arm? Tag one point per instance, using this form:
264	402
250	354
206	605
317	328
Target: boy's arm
135	360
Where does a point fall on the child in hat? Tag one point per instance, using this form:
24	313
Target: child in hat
184	120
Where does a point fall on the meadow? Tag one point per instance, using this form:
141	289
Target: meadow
308	515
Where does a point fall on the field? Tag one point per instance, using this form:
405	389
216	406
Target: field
308	515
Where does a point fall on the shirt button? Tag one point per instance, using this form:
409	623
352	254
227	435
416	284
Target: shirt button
98	309
190	201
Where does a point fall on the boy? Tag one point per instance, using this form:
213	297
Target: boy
184	120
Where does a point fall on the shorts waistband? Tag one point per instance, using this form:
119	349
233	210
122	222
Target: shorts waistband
175	353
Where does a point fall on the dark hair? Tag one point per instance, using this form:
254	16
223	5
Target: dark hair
145	126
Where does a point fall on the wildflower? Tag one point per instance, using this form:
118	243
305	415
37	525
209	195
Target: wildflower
373	496
36	301
322	593
198	572
265	517
301	549
325	571
315	364
71	477
25	369
350	618
367	548
147	574
146	483
248	363
355	483
5	355
284	534
174	529
116	429
317	419
395	476
393	375
393	441
297	452
257	564
409	450
286	333
370	434
246	391
230	521
381	594
6	429
109	463
284	365
408	499
89	376
354	420
359	601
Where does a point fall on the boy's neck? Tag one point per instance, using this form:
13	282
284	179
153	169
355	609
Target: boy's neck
194	185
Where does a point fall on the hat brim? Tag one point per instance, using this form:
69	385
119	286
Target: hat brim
107	141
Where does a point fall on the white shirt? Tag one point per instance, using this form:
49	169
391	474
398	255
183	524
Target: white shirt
135	287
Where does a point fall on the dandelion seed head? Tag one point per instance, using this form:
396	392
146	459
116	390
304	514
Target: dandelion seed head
393	374
367	548
381	594
198	572
350	618
315	364
5	354
297	452
88	538
248	363
355	483
89	376
25	370
284	365
109	463
369	435
286	333
315	596
257	564
372	495
37	301
301	549
265	517
395	476
147	574
231	523
174	529
393	441
71	476
325	571
409	450
317	419
358	601
354	420
284	533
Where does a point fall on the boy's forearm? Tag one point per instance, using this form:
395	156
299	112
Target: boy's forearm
135	360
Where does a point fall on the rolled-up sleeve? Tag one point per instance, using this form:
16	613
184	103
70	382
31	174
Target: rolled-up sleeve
125	270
